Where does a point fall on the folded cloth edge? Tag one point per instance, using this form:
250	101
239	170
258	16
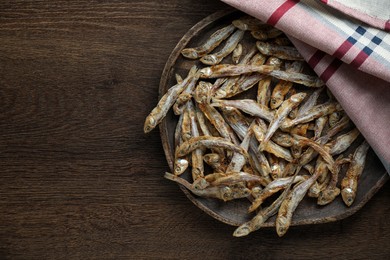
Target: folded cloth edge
253	12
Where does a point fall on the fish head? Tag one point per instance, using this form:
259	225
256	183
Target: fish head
200	184
242	230
297	98
348	196
210	59
205	72
180	166
190	53
226	193
282	225
150	124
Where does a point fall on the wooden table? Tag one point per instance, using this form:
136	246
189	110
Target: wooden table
79	178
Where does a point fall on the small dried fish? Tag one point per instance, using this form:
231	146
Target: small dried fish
293	199
184	96
246	81
266	34
281	52
197	155
227	70
300	129
300	78
211	43
236	177
238	160
165	103
310	102
230	45
264	86
314	113
330	192
224	70
261	217
319	126
222	192
350	181
230	82
342	142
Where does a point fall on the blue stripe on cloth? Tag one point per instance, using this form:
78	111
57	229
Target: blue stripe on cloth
376	40
367	50
352	40
360	30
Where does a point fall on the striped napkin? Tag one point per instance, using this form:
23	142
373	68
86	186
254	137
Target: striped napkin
347	43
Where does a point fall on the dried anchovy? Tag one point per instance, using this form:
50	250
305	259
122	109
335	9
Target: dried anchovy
224	70
163	106
211	43
350	181
231	43
281	52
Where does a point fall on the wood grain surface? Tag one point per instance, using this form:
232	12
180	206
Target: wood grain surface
80	180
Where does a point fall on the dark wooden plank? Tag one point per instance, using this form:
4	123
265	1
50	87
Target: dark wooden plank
79	179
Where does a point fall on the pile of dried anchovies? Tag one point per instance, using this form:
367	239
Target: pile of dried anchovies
283	143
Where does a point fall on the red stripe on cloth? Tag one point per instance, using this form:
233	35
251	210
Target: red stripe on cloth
316	58
387	26
342	50
359	59
324	1
330	70
280	11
